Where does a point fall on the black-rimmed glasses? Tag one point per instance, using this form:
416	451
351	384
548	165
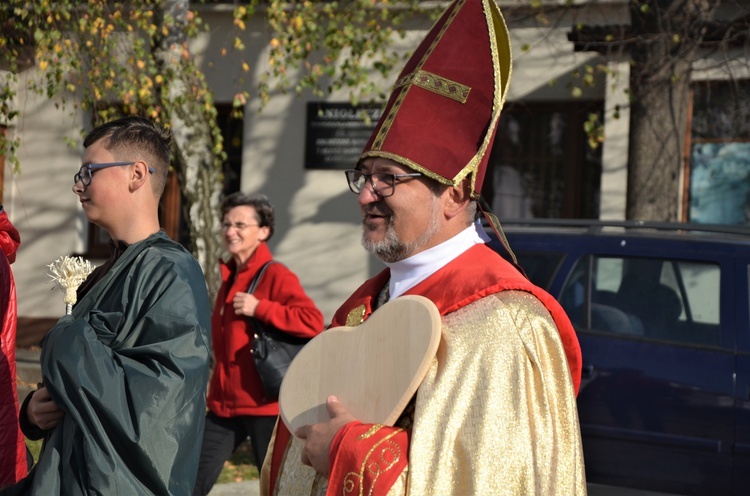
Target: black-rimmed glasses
84	174
383	183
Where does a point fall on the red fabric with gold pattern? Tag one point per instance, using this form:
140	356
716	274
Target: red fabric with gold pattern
366	459
476	273
442	113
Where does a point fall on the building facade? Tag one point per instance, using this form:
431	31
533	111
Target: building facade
541	164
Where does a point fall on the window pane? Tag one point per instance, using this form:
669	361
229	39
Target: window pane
649	298
720	183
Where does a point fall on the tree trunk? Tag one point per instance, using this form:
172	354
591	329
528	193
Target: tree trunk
660	93
658	123
196	164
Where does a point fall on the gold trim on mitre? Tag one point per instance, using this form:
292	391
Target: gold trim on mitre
404	89
501	55
502	67
437	84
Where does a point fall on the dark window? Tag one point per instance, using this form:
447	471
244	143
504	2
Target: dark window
541	164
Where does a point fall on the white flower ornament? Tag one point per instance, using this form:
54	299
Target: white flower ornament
69	273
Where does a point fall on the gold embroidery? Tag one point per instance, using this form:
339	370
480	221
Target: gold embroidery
375	428
436	84
390	454
356	316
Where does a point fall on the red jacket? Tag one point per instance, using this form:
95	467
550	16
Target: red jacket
235	388
12	446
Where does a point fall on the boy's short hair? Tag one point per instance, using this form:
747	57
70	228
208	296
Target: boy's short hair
136	138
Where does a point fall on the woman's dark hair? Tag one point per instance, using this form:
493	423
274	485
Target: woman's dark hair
263	209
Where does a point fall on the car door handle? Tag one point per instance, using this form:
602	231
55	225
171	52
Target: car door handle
587	370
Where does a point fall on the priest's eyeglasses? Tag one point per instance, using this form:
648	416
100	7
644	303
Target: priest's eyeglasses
84	174
382	183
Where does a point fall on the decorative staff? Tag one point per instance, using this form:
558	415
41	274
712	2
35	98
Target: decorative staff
69	273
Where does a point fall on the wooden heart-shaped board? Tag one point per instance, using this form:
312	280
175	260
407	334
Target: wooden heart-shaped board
374	369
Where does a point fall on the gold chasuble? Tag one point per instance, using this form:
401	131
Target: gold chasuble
495	415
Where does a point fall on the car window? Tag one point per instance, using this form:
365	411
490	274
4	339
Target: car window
540	267
645	297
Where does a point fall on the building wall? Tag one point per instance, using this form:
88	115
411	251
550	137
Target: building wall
318	232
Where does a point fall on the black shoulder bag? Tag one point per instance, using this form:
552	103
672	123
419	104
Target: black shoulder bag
272	349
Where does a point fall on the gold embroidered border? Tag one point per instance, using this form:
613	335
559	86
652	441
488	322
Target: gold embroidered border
356	316
437	84
374	468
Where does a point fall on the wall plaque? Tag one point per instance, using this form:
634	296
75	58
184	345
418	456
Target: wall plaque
337	133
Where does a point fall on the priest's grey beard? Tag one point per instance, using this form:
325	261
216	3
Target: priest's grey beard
391	249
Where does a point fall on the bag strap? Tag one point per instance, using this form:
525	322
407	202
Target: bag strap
257	277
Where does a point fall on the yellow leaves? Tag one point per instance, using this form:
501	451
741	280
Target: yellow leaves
70	87
159	79
275	43
223	52
297	22
140	64
245	67
57	48
238	44
239	23
43	65
49	19
144	93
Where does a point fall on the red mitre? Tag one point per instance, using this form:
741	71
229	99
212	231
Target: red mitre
442	114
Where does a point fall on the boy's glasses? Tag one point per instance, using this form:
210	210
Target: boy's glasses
84	174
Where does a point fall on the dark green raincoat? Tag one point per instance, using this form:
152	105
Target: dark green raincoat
129	368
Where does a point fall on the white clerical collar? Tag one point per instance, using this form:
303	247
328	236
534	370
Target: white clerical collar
407	273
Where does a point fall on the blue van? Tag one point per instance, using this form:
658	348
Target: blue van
663	317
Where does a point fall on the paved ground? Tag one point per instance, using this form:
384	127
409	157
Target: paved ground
246	488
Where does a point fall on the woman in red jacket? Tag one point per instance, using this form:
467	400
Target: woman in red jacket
236	400
12	445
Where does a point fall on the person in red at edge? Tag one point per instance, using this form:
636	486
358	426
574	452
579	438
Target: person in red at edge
236	401
496	413
12	445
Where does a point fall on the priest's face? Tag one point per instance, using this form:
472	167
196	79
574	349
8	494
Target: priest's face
403	224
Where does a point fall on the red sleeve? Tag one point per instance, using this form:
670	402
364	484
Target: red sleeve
285	305
367	459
